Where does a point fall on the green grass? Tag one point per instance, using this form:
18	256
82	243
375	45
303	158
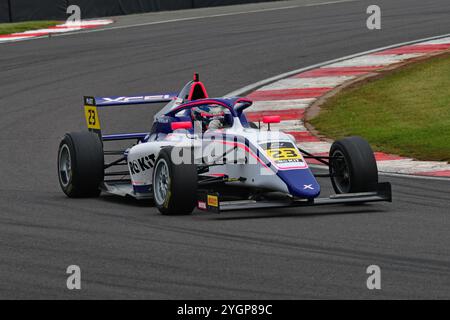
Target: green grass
406	112
7	28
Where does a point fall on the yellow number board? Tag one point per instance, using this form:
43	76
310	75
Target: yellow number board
92	119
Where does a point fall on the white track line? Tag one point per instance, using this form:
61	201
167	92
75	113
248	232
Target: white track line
438	41
287	125
373	60
299	83
315	147
411	166
256	85
395	175
215	16
281	104
177	20
59	29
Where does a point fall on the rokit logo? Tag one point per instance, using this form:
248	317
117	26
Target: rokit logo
142	164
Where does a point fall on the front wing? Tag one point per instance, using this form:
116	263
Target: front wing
211	201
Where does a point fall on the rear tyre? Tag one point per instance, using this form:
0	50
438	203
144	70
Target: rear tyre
353	167
174	185
80	164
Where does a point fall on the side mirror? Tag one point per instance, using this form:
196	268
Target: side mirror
181	125
271	119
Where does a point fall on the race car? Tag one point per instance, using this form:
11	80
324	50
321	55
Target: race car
203	152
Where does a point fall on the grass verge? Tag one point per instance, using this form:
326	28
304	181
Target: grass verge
406	112
7	28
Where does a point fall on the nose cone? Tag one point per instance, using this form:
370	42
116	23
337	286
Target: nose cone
301	183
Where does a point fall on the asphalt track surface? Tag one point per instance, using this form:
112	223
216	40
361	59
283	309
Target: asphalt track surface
126	249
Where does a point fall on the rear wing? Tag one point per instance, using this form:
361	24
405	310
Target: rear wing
130	100
91	105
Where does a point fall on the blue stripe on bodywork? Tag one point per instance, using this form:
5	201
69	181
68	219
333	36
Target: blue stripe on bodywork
125	136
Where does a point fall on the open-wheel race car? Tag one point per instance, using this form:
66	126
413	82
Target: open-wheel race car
203	152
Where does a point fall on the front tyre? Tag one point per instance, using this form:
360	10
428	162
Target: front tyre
80	164
353	167
174	185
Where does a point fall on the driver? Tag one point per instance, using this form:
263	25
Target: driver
210	117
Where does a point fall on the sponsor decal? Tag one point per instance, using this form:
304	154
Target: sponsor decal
89	101
136	99
142	164
201	205
213	201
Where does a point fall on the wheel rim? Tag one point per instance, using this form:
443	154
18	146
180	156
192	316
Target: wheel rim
161	182
65	166
340	172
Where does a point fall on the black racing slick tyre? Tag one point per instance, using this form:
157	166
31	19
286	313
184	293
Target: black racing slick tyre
353	167
174	185
80	164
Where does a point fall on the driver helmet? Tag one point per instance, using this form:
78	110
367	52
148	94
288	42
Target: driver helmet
211	117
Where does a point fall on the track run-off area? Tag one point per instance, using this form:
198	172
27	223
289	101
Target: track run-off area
126	249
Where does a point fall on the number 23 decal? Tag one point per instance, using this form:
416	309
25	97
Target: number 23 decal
284	154
92	117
